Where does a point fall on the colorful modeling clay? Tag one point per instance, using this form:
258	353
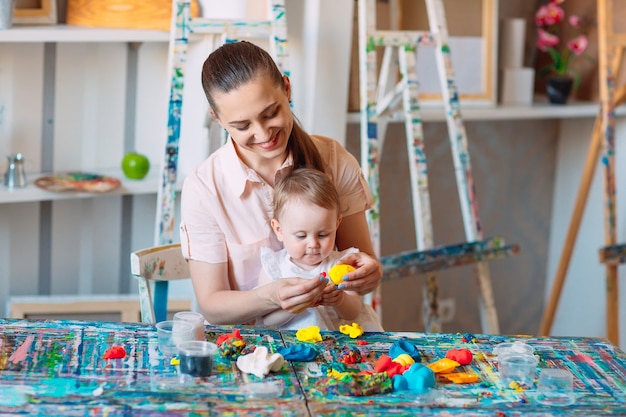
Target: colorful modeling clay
462	356
386	364
353	330
298	353
236	334
417	378
116	352
443	366
468	338
309	334
350	355
231	345
402	346
461	377
404	359
260	362
337	272
354	384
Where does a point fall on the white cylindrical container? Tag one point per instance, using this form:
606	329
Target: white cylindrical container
518	85
513	39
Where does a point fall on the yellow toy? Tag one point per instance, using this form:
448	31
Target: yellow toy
353	330
337	272
309	334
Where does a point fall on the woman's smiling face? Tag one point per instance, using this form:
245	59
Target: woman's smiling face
258	118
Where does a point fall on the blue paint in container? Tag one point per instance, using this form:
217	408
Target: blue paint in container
196	357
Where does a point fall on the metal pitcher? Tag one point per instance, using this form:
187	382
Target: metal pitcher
15	176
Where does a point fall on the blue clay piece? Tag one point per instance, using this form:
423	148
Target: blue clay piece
402	346
298	353
417	378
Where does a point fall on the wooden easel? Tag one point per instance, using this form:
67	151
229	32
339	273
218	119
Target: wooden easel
272	29
378	98
610	51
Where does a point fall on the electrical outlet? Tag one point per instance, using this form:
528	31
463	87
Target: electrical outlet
447	309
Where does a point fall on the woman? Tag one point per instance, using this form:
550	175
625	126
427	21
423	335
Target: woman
227	200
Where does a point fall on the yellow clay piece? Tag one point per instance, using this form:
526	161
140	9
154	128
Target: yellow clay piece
309	334
175	361
337	272
461	377
404	359
353	330
443	366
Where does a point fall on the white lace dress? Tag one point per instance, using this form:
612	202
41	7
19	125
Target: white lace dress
278	265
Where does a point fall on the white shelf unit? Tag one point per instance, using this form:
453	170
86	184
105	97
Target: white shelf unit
76	99
69	33
540	109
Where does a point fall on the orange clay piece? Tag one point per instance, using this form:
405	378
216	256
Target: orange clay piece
461	377
337	272
443	366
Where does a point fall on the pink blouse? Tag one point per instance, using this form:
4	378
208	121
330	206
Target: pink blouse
226	208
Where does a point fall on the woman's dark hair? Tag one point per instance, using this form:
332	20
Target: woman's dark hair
237	63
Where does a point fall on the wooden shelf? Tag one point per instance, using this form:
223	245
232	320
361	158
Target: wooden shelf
32	193
68	33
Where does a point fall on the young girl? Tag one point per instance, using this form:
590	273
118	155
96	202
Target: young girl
306	218
226	202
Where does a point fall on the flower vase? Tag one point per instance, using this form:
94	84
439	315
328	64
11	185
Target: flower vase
558	89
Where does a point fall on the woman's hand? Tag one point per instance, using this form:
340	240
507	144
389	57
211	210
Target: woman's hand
366	277
297	294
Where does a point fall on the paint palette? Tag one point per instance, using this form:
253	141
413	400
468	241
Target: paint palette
78	181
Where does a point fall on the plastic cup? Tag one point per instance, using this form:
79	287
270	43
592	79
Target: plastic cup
196	319
516	348
555	387
170	333
519	368
196	357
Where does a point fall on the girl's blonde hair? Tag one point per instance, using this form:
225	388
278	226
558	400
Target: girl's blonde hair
234	64
308	185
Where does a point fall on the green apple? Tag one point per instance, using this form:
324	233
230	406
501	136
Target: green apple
135	165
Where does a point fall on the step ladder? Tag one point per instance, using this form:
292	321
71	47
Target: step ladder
378	99
183	28
610	53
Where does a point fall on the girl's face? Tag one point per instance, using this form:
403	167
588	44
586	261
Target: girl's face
258	118
307	232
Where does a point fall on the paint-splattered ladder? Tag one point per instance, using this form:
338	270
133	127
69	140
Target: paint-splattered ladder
377	100
273	29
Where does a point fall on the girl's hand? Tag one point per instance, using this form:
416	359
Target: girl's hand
331	296
366	277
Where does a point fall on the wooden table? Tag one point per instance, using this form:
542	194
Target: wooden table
58	368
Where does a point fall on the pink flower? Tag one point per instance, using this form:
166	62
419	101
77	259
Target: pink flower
575	21
548	15
578	44
545	40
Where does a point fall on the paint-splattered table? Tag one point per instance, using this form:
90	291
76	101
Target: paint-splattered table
598	367
58	368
